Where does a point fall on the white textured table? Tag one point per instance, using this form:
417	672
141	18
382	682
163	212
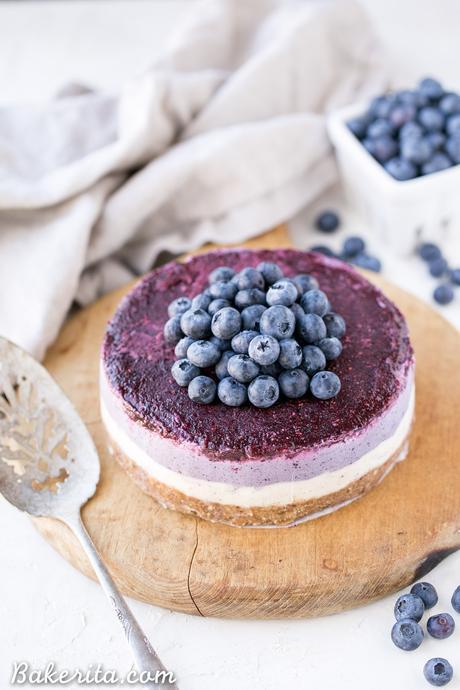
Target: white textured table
51	612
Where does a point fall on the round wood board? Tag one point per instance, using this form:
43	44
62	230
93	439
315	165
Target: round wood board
384	541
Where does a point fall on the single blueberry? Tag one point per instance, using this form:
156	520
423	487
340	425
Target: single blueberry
270	271
436	139
438	267
196	323
242	368
184	371
311	328
358	126
217	304
179	305
305	282
453	125
282	292
431	88
172	330
401	169
203	353
431	118
325	385
201	301
384	149
221	366
443	294
222	345
438	162
240	341
264	349
335	325
416	150
407	634
226	323
438	671
278	321
440	626
313	360
182	346
371	263
426	592
453	148
315	302
450	104
327	221
231	392
322	249
455	276
250	317
409	606
428	251
293	383
223	290
332	347
352	246
455	601
381	127
290	356
221	274
248	297
263	391
250	278
410	129
401	114
202	390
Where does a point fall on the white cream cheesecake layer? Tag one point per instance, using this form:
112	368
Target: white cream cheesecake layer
280	493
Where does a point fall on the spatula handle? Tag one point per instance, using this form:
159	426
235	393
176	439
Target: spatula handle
145	657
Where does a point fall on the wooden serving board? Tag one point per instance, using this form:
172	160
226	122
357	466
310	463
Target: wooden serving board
396	533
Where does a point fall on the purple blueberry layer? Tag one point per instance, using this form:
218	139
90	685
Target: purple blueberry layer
374	367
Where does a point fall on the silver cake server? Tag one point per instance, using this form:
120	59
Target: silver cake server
49	467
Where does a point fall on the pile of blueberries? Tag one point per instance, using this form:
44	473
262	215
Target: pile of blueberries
439	268
412	132
407	633
255	334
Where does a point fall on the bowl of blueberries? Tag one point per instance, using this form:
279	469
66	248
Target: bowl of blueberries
399	157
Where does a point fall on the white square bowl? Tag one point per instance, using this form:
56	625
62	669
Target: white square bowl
402	213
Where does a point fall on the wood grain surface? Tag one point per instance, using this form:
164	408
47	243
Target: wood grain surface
395	534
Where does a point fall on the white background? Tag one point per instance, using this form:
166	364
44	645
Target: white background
48	611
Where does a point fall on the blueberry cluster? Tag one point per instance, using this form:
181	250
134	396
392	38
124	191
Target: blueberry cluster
412	132
255	334
439	268
407	633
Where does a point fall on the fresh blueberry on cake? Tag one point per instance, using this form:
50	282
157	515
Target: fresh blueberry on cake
257	388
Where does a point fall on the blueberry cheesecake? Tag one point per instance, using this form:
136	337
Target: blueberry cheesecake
257	388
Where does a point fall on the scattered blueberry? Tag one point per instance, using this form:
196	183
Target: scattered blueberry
335	325
426	592
322	249
263	391
226	323
278	321
202	390
440	626
264	349
455	601
203	353
325	385
371	263
231	392
455	276
242	368
409	606
437	267
270	271
293	383
184	371
438	671
282	292
179	305
221	274
240	341
332	347
327	221
443	294
196	323
172	330
429	251
352	246
290	356
407	634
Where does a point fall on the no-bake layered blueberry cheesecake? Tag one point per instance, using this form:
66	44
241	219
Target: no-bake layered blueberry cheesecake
257	387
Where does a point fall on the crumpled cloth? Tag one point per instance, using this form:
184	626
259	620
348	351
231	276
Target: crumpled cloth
221	139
